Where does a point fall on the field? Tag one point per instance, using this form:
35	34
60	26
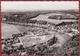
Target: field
44	17
8	30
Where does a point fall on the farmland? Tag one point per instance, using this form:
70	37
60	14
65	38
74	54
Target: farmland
38	33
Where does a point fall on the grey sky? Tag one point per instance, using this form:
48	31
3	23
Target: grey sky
57	5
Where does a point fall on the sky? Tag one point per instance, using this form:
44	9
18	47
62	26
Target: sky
38	5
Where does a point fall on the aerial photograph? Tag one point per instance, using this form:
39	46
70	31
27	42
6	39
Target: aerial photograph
39	28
